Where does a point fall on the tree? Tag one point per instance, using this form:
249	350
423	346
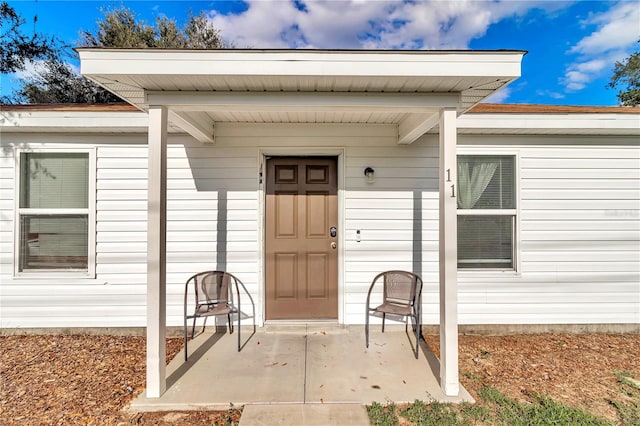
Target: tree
626	74
200	34
16	48
120	28
56	82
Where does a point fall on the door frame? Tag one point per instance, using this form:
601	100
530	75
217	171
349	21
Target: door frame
262	166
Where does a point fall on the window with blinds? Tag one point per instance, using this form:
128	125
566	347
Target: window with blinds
53	209
486	212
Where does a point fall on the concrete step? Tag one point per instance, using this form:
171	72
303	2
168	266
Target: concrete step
304	415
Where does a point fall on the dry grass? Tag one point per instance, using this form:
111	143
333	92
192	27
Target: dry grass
578	370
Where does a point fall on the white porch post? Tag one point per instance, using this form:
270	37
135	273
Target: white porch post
448	254
156	253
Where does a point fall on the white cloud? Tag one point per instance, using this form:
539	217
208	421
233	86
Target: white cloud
618	29
428	24
550	94
31	68
499	97
11	82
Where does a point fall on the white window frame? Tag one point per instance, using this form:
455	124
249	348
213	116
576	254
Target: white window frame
516	270
90	211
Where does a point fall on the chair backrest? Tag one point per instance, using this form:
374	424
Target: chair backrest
401	287
211	287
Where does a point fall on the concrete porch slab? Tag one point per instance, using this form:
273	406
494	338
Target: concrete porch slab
299	364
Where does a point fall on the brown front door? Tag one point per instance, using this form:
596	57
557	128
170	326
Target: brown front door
301	253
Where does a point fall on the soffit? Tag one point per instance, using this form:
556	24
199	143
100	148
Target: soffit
133	73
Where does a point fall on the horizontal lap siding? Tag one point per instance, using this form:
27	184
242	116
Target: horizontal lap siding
383	211
579	236
212	220
7	205
579	226
116	297
397	217
211	198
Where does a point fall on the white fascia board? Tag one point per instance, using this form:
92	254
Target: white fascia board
341	63
299	101
72	120
561	123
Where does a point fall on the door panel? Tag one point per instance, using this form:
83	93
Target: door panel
301	263
317	271
286	275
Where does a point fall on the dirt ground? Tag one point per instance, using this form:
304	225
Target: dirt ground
87	380
577	370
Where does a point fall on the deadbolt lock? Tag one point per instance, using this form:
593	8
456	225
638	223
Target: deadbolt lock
334	245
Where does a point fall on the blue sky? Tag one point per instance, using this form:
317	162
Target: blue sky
572	45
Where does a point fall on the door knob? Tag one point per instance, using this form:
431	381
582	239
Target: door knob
334	245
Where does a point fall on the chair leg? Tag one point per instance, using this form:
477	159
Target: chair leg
185	339
230	323
239	331
204	324
418	331
384	315
366	328
193	328
417	340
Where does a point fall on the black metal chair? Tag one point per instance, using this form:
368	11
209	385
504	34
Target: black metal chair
401	296
214	296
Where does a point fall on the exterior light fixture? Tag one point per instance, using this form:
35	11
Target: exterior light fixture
368	172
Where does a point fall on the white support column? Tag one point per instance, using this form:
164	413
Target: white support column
157	253
448	254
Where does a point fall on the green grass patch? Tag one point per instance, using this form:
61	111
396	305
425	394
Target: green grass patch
496	409
383	415
437	413
471	376
629	410
628	382
543	411
629	413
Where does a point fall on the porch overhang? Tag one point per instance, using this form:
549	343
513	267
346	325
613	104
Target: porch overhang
194	90
203	87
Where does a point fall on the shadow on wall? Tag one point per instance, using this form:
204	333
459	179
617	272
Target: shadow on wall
227	172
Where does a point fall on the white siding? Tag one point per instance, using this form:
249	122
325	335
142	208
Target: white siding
382	211
397	217
579	224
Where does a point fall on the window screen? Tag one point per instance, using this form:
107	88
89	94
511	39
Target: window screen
486	211
54	201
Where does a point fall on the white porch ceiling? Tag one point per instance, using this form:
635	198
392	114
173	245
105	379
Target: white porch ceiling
134	74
